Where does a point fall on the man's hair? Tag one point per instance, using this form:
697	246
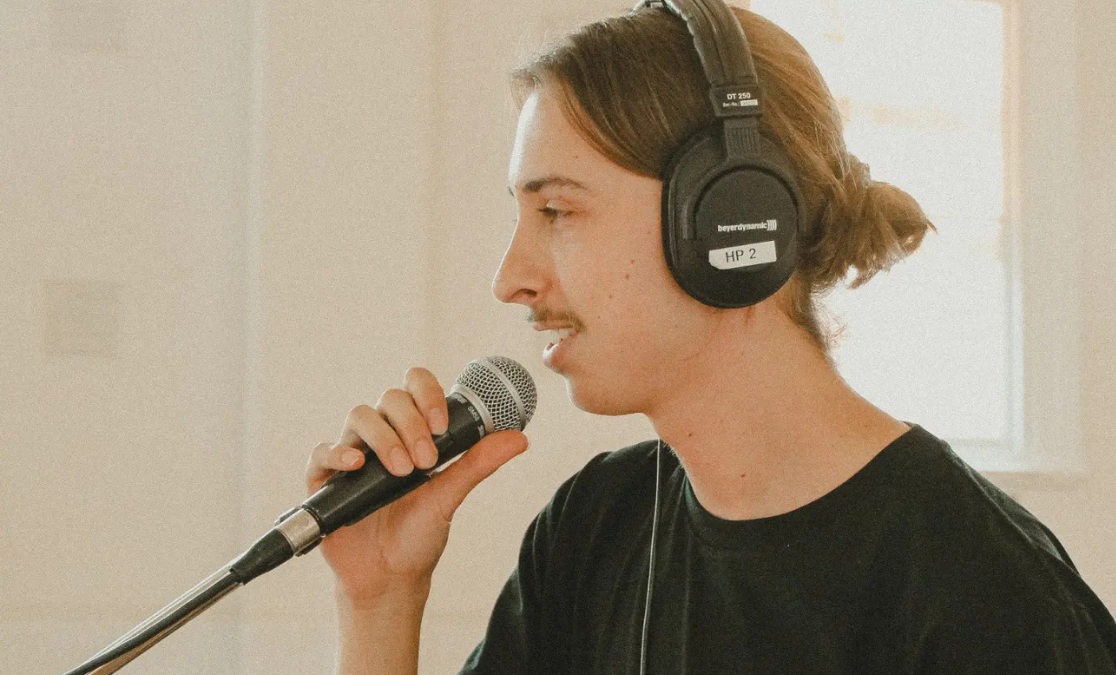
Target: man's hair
634	88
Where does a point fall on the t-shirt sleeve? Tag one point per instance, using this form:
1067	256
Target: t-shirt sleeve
1073	642
1067	640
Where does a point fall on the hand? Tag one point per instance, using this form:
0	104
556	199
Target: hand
397	547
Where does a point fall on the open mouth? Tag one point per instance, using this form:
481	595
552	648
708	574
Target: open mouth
559	334
560	340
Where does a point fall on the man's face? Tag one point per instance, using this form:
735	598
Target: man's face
587	254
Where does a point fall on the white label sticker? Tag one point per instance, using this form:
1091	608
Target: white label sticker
743	256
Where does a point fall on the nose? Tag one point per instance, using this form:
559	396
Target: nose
521	275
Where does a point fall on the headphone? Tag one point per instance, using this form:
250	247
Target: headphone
731	207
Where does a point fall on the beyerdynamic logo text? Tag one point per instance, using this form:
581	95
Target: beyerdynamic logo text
769	225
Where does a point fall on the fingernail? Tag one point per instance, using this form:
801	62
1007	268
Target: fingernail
400	461
428	454
437	421
351	457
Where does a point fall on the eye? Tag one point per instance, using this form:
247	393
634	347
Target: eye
551	213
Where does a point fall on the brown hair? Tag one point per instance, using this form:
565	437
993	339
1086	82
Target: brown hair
634	88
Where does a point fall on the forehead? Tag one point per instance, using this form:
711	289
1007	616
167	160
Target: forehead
547	146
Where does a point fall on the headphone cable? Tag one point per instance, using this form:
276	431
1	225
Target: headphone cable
651	564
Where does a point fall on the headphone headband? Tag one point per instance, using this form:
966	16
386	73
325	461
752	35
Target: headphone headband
723	49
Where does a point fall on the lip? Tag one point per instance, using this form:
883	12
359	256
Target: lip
548	326
556	352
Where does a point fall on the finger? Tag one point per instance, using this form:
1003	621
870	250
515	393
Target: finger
327	459
366	427
450	486
399	409
430	398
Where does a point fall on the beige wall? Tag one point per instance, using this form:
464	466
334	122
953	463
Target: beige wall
1082	515
337	278
122	195
272	210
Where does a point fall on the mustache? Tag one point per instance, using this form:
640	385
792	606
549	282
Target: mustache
547	316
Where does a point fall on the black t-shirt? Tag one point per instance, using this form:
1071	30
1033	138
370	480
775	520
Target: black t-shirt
915	565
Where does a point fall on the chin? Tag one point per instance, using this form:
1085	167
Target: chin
598	400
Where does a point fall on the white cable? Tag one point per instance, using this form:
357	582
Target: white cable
650	565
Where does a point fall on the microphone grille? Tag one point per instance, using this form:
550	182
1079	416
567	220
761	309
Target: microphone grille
504	387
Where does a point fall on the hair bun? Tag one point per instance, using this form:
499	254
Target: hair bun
860	172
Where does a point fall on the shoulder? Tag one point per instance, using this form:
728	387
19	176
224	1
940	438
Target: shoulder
979	566
953	504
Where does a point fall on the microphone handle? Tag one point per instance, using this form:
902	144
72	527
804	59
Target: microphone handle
349	496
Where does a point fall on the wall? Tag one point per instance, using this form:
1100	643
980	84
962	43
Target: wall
241	190
1082	514
337	280
122	197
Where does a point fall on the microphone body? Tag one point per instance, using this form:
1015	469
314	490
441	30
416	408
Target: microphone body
349	496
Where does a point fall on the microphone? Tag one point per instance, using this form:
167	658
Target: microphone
492	394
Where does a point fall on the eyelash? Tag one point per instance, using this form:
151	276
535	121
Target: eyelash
552	214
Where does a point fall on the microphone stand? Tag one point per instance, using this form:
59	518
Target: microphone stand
296	532
344	499
165	621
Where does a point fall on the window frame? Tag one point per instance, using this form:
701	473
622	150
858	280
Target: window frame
1041	177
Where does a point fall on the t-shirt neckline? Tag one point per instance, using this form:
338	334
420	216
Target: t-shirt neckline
807	520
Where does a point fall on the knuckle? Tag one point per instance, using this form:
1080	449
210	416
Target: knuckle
416	373
318	452
317	455
392	396
359	411
422	383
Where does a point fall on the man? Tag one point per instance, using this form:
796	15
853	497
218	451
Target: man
797	527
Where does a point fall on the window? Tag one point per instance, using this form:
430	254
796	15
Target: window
926	91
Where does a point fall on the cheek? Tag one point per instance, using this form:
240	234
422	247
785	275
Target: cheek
670	319
641	302
605	274
622	283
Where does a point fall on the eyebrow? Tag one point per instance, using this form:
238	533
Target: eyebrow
550	181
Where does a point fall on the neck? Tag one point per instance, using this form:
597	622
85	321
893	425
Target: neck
764	425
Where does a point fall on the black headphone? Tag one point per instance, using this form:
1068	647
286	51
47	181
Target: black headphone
731	208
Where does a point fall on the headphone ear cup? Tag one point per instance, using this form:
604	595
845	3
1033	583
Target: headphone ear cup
729	224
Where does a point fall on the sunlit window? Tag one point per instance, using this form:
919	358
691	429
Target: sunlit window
921	84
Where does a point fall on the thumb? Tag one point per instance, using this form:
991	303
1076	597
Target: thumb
456	481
